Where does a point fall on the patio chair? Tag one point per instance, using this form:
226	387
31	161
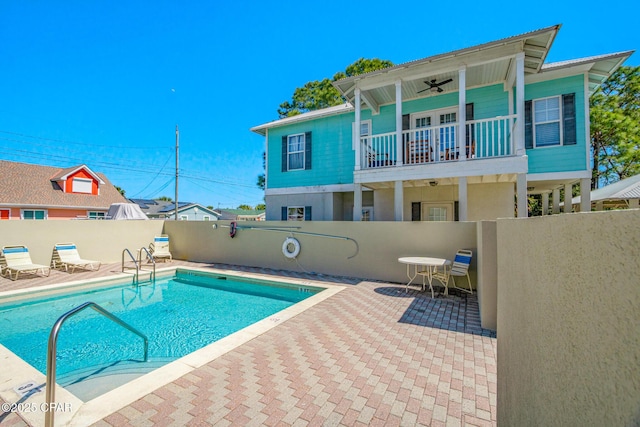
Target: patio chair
159	248
460	268
16	259
66	255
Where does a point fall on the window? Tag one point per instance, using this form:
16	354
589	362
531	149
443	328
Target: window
296	213
367	214
546	116
82	185
550	121
206	218
34	214
5	214
296	152
184	217
95	215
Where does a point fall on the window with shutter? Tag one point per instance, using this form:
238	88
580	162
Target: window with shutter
550	121
296	152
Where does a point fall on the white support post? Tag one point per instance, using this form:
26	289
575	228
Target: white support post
585	195
357	202
462	199
398	198
568	195
545	204
399	144
556	200
462	116
356	134
520	150
521	191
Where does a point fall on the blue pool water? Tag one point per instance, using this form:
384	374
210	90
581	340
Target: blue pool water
179	315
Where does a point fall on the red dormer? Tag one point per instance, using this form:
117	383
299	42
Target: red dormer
78	180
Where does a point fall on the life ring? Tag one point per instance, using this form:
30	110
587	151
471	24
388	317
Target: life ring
291	247
232	229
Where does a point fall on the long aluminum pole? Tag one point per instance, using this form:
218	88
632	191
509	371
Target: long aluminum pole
177	157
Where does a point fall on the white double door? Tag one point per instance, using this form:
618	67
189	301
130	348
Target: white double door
441	139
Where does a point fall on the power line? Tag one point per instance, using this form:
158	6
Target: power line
87	144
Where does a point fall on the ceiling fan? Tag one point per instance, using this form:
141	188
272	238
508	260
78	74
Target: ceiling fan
435	87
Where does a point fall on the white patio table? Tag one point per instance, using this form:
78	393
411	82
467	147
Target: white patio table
427	267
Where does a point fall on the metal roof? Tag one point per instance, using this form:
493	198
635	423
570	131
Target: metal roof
625	189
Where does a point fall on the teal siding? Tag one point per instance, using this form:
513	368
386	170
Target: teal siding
333	158
560	158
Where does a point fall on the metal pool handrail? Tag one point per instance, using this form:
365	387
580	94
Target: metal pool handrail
53	342
133	259
149	256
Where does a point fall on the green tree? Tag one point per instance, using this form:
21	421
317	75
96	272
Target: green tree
316	94
120	190
245	207
615	127
165	199
261	207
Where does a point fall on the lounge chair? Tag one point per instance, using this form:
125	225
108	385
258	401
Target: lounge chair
460	267
16	259
160	248
66	255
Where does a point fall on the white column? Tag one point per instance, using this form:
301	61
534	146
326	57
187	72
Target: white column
399	145
545	204
462	199
462	118
356	133
520	150
585	195
568	191
521	191
556	200
357	202
398	198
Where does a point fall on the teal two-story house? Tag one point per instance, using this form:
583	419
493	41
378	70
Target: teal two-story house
465	135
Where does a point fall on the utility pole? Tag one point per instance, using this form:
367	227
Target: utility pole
177	157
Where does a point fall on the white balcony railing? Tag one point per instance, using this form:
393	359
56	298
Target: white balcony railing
486	138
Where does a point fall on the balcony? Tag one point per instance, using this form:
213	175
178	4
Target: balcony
485	139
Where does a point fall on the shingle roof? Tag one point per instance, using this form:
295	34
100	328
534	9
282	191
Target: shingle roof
30	185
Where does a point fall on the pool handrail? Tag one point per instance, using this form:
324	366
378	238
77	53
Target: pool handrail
149	256
52	350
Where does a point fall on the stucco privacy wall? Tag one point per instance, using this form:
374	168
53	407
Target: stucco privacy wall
98	240
569	320
380	245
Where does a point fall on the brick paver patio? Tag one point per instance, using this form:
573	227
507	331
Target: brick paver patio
371	355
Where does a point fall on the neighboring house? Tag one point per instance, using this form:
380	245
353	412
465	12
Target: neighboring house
187	211
45	192
526	131
619	195
241	215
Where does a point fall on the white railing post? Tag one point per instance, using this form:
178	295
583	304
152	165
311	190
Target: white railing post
519	137
462	113
399	144
357	141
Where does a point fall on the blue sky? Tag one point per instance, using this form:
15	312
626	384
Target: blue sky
105	83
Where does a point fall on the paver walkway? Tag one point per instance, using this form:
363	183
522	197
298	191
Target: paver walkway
370	355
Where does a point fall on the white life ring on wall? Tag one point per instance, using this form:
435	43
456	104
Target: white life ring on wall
291	247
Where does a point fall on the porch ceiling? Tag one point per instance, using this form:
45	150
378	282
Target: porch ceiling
486	64
485	179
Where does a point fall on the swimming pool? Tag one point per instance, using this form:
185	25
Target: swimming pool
180	314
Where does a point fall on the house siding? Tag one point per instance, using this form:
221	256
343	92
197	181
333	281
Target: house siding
332	153
560	158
